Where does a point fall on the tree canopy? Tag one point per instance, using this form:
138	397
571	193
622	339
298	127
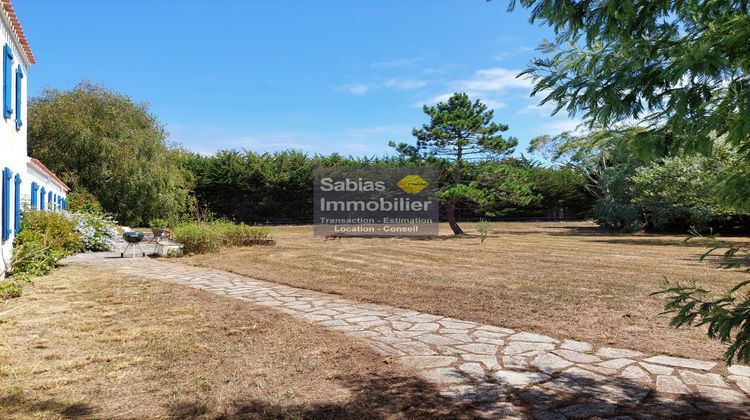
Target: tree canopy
461	130
679	69
103	142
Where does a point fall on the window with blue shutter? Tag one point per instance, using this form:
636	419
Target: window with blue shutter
50	203
41	200
7	71
17	205
19	92
34	195
7	175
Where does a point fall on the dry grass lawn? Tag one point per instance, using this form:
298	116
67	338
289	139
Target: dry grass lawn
87	343
565	279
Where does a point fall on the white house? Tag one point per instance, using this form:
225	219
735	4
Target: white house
25	181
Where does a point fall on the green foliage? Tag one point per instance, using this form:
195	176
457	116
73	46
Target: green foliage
483	227
12	287
460	130
158	223
256	188
727	316
81	200
103	142
45	238
677	69
203	237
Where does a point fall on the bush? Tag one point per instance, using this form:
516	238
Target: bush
202	237
81	200
158	223
483	227
98	232
618	216
45	238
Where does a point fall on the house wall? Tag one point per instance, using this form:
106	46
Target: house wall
34	174
13	146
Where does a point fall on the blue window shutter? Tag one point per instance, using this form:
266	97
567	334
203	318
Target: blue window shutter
7	70
41	199
17	204
50	203
19	93
7	175
34	195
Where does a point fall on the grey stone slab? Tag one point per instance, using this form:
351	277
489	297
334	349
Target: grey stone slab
460	337
743	382
474	370
578	357
490	362
615	353
515	362
671	385
519	347
739	370
578	346
519	379
487	340
489	334
635	373
657	369
478	348
680	362
695	378
474	393
722	395
424	326
531	337
495	329
616	363
414	348
438	340
425	362
581	411
443	375
456	324
550	363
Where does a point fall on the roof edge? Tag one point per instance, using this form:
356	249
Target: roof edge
36	162
15	26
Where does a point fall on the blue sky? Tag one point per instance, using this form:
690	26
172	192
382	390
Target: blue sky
323	76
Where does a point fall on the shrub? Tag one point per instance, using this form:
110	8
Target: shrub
202	237
618	216
45	238
483	227
158	223
81	200
98	232
197	238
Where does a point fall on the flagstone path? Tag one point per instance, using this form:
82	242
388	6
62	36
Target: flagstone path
502	372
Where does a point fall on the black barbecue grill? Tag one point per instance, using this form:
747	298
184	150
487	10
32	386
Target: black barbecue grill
134	240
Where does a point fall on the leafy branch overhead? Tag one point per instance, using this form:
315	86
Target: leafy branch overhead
727	316
679	69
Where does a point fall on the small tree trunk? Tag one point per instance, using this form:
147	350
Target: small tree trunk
451	213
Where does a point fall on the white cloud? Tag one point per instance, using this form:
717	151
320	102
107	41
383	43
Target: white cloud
404	84
559	126
491	103
392	83
495	79
356	88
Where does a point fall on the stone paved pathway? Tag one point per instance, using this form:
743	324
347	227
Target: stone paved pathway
505	373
